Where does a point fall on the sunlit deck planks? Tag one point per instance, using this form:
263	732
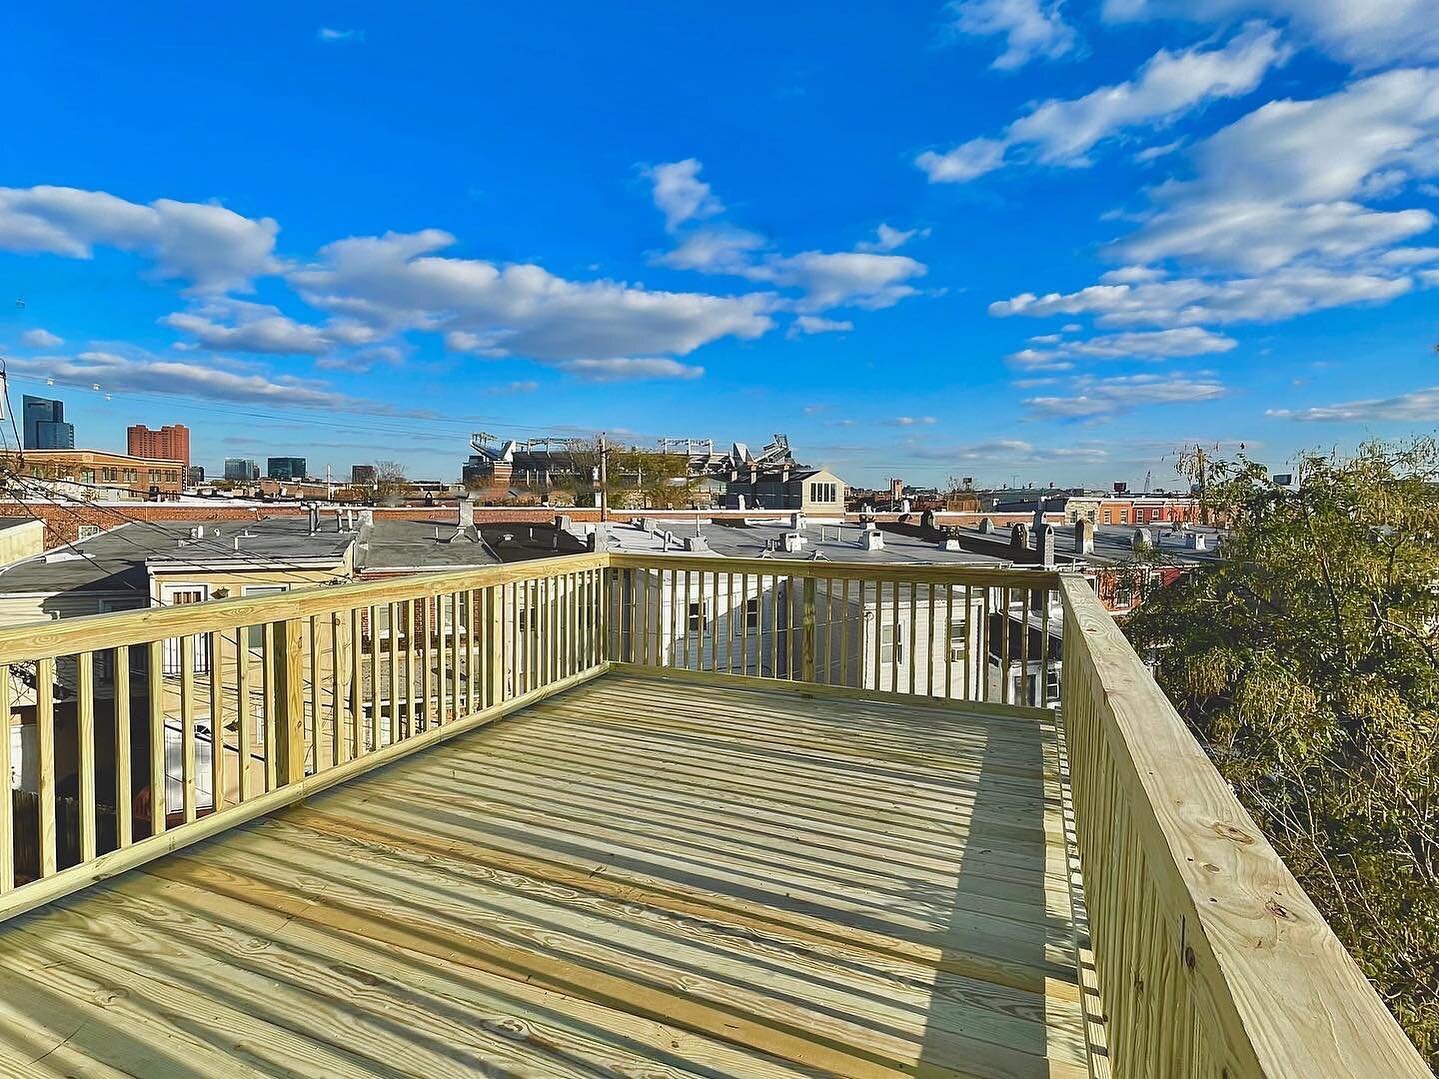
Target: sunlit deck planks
637	876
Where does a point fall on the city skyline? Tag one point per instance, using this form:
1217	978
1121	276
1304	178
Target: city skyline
998	238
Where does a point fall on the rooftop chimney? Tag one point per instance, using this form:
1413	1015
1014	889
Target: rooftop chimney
986	526
871	538
1143	539
1019	535
1083	537
1044	544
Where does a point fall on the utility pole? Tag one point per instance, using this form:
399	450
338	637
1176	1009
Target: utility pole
604	479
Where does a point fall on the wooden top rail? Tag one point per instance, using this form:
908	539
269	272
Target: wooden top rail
44	640
902	572
1270	978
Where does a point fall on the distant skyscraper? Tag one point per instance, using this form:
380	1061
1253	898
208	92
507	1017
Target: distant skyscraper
171	442
242	469
362	474
45	426
285	468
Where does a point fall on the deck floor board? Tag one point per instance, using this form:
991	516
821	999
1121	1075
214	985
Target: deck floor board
637	877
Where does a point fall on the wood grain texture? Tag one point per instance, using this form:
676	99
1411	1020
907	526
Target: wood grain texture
632	877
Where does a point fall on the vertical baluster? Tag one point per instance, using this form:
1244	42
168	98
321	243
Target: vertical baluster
216	640
807	631
659	619
269	717
846	617
949	640
878	633
898	642
932	643
245	731
456	626
710	620
986	644
409	669
337	688
85	735
312	729
1044	651
426	680
499	637
729	609
1004	635
285	648
374	733
156	680
912	637
394	671
123	794
472	672
744	624
7	800
774	629
189	794
357	684
1024	598
970	632
45	747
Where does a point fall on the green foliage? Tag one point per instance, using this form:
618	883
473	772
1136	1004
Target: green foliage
1308	663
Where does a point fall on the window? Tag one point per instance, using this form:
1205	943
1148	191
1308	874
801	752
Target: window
200	645
109	475
958	639
696	619
891	644
86	531
824	492
751	612
87	475
1106	517
256	634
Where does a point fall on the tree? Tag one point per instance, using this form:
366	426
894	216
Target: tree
1308	664
390	482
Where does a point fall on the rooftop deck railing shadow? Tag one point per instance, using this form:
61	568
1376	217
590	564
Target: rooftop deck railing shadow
1188	936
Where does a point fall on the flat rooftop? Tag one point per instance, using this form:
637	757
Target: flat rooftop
637	877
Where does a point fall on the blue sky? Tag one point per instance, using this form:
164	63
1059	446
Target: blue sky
994	238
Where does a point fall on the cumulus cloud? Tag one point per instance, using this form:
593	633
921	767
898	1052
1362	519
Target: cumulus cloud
256	328
680	194
1062	132
1143	345
397	281
914	421
1368	35
40	339
1095	398
331	36
1419	406
1032	29
211	248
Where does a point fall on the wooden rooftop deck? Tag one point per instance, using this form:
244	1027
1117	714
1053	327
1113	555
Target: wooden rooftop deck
635	877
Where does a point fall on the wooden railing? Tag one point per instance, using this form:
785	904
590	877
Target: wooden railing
1211	961
183	721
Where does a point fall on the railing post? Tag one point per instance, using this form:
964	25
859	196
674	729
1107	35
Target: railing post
807	645
288	701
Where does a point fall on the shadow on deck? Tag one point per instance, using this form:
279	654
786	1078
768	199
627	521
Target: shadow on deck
637	877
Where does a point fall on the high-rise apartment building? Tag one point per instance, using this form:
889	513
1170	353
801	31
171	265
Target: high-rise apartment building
172	442
242	469
45	426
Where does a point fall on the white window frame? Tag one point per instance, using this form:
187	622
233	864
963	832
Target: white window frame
894	646
88	532
170	653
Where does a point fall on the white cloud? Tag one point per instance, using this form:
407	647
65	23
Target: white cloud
680	194
257	328
332	36
714	249
887	238
1031	28
149	374
1096	398
1280	184
914	421
840	278
1367	35
1187	301
1167	86
40	339
1144	344
1419	406
521	386
396	281
206	245
812	324
625	368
